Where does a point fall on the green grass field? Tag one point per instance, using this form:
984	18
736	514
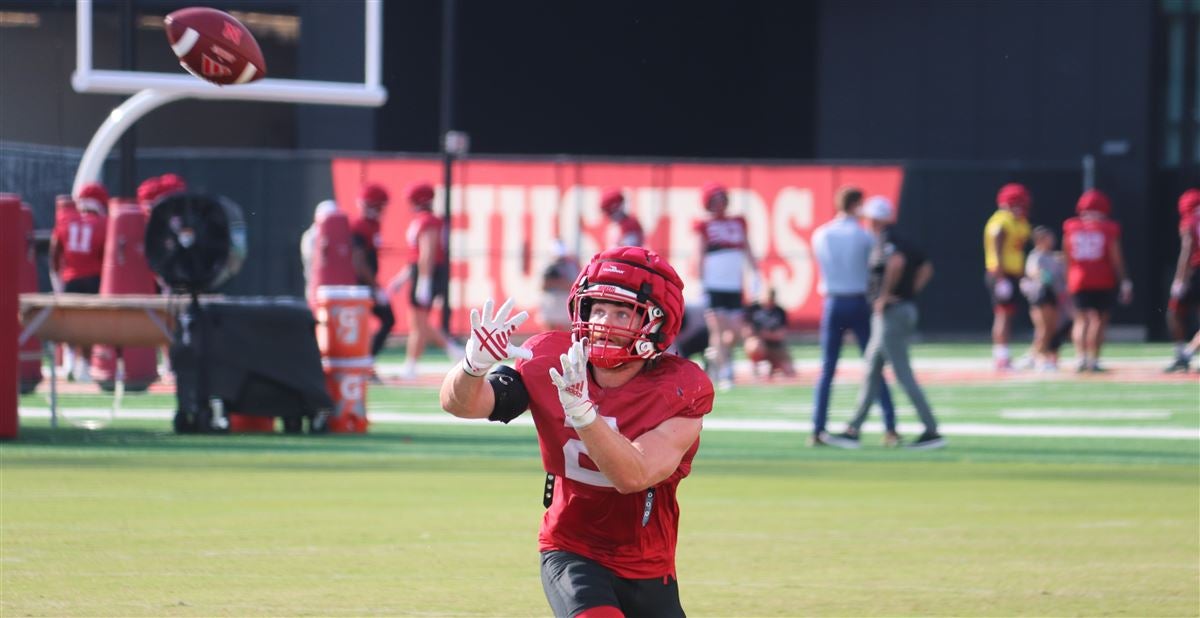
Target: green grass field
440	520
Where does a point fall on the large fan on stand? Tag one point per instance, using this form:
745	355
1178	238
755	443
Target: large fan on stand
248	356
195	243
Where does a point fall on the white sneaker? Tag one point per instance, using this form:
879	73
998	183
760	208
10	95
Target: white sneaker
454	351
725	385
408	372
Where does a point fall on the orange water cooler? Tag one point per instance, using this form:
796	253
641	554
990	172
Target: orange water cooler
343	336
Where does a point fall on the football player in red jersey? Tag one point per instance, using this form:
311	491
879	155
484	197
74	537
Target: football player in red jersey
618	423
724	256
1095	268
1185	286
77	255
364	254
429	273
629	230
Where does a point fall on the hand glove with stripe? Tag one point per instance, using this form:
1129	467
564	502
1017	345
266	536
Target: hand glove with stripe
572	386
490	334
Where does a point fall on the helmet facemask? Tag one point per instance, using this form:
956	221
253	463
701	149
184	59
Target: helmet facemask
638	339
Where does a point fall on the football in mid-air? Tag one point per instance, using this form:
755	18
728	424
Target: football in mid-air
214	46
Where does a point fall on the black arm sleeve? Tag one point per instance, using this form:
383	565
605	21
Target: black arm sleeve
511	396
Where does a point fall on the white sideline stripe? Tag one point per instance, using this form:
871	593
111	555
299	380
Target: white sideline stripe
716	424
1067	413
185	42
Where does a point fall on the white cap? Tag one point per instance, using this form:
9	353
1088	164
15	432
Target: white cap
324	209
878	208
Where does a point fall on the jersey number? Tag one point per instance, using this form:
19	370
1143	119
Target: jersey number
1087	246
574	448
79	238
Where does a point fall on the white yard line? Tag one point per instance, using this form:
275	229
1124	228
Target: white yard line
716	424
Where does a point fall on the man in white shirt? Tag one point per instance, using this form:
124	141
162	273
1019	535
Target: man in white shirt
842	247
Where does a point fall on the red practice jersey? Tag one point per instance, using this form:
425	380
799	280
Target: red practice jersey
422	222
588	516
81	236
1191	226
723	233
629	233
1088	246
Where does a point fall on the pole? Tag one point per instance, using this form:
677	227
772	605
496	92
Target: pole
445	125
128	149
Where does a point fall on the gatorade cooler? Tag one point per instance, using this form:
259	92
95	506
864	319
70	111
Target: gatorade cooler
347	381
125	272
244	423
30	355
343	321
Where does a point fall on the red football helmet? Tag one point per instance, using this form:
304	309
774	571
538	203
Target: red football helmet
1014	196
420	195
611	201
1189	202
92	196
1093	200
149	190
171	183
373	195
715	197
636	277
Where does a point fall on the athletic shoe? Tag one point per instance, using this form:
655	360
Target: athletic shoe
891	439
725	385
1024	362
926	441
1096	368
1003	364
846	439
818	439
1082	367
1181	365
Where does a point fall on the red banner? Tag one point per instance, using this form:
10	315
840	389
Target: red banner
506	215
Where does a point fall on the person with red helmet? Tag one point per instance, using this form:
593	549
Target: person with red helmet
628	231
1095	268
77	254
1004	238
618	422
1185	286
724	258
429	274
364	255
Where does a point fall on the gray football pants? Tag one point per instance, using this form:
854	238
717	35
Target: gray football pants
891	332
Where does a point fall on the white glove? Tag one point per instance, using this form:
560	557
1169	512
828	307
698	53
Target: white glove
489	342
424	290
1126	295
1178	289
573	385
1003	289
755	286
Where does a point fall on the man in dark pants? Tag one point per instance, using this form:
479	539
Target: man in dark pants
364	255
898	272
842	247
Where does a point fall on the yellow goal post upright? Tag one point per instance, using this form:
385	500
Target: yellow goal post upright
151	90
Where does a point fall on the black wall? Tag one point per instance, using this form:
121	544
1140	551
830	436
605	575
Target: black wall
1017	86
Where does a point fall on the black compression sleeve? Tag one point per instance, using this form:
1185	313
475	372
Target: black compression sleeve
511	397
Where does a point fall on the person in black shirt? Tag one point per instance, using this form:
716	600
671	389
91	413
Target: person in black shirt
765	334
898	272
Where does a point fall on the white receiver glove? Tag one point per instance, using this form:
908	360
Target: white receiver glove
489	342
573	386
1178	289
424	290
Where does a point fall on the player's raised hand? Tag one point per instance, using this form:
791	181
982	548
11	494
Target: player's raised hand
489	342
573	385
